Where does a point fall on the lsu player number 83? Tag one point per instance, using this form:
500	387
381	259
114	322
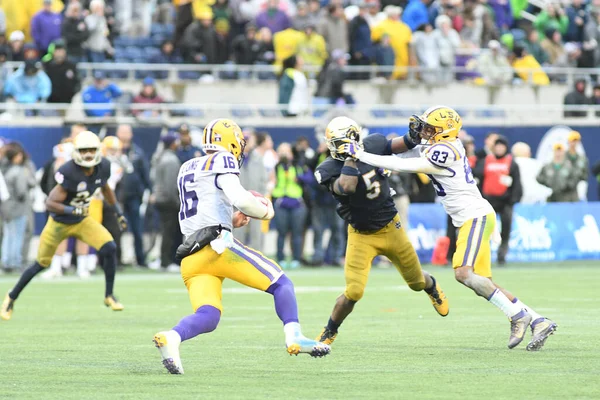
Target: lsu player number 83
78	180
209	191
432	146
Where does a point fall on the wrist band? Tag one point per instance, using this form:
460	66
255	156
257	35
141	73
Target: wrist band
69	209
349	171
118	209
408	142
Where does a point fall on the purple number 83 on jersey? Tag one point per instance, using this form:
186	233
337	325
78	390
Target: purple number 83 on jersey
186	209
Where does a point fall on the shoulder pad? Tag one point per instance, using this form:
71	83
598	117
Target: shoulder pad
221	163
442	154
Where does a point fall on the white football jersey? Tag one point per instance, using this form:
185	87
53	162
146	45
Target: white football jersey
203	202
458	193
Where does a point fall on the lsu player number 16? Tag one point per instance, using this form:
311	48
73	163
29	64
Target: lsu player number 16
432	147
77	181
209	190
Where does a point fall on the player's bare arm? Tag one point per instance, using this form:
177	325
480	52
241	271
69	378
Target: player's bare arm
55	200
348	180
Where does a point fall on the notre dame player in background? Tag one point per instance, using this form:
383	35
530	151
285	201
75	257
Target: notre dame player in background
77	182
365	202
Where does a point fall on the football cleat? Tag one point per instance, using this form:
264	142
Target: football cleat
438	299
114	304
52	273
518	328
302	344
7	308
168	345
327	337
541	329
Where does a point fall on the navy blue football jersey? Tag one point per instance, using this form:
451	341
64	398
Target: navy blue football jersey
80	187
371	207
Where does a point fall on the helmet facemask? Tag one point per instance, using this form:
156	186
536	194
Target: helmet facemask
334	143
425	130
87	157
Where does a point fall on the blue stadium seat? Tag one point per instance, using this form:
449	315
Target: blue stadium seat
320	101
189	75
157	29
490	113
133	52
151	52
269	113
195	113
241	112
158	40
378	113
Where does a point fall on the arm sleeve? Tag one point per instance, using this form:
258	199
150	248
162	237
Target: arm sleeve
240	198
404	164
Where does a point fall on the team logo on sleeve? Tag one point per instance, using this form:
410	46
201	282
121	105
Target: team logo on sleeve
60	178
318	176
81	186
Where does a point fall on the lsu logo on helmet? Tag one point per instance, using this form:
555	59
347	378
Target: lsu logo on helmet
224	135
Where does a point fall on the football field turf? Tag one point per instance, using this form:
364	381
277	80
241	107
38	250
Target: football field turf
63	343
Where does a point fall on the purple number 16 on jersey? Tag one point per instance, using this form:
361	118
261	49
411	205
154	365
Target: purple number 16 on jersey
186	210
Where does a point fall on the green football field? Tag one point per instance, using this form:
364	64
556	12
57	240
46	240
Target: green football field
63	343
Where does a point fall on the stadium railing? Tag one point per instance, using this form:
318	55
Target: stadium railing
173	73
269	114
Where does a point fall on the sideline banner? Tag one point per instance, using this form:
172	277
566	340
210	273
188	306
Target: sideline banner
540	232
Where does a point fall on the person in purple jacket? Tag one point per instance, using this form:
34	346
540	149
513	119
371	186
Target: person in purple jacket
273	18
46	27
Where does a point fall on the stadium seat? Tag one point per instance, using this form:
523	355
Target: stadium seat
242	112
320	101
269	113
194	113
189	75
134	52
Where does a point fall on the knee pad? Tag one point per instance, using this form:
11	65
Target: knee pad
108	249
354	292
417	286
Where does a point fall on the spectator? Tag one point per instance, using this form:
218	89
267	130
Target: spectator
166	199
527	68
147	95
416	14
4	70
30	52
293	87
573	52
488	146
45	27
374	17
595	99
314	8
555	48
199	43
532	45
578	17
266	53
62	73
448	42
312	48
101	92
168	54
285	44
98	42
290	209
503	13
400	38
133	17
16	43
501	186
427	53
494	66
334	28
273	18
256	177
133	185
362	52
186	150
384	55
75	32
596	173
14	210
479	27
222	44
28	85
245	47
183	18
576	97
469	144
242	12
578	159
2	23
529	168
560	176
330	82
303	17
553	17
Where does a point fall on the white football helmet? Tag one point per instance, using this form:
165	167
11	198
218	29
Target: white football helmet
338	132
87	140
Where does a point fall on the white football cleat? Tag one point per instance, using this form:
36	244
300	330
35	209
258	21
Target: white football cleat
168	344
52	273
83	272
302	344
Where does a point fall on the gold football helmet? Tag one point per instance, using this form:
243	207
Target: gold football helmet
224	135
339	131
437	124
111	147
86	149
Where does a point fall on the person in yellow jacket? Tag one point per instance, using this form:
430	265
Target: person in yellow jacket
312	48
285	44
527	67
20	12
400	39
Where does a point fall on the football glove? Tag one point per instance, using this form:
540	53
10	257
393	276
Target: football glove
414	129
386	173
350	149
122	222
